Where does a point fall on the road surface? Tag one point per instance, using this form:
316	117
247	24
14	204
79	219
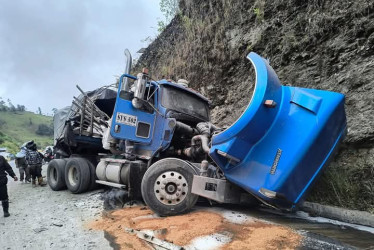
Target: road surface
44	219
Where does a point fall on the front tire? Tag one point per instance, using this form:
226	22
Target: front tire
77	175
166	187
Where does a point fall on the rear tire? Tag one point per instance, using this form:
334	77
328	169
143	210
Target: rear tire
77	175
93	185
56	174
166	187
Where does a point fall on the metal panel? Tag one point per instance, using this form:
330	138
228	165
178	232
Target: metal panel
215	189
116	185
125	118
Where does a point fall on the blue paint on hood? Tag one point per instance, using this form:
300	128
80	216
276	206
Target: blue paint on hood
276	151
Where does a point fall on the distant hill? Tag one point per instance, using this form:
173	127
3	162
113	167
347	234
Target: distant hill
19	127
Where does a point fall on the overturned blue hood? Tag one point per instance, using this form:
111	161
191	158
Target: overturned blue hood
282	141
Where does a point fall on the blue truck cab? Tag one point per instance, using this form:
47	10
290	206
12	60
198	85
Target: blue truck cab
274	151
151	126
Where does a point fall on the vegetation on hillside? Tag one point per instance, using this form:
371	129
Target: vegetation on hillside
9	106
169	8
20	126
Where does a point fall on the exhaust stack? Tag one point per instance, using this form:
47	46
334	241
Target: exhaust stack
125	85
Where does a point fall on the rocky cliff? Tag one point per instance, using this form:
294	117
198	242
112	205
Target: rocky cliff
313	43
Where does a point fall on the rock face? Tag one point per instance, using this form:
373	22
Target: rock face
318	44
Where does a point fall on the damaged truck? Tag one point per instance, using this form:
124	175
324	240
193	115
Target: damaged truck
154	140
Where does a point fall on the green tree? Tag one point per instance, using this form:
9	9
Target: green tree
11	106
169	8
20	108
3	106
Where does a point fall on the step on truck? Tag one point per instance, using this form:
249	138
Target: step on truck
154	140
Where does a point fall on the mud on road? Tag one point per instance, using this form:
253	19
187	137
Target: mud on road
203	228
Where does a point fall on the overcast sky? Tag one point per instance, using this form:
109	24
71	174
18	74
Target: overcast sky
49	46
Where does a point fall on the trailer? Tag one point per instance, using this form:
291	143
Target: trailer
154	140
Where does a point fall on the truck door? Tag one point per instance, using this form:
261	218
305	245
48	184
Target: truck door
134	124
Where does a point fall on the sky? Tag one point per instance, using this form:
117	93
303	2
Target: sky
49	46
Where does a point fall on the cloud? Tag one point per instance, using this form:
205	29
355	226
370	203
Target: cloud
47	47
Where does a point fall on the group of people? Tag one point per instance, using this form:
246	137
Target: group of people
29	162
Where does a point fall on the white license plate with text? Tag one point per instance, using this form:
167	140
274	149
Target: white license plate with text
126	119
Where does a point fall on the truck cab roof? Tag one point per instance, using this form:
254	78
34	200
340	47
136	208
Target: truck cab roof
175	85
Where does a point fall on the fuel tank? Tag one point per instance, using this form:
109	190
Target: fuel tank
128	174
282	141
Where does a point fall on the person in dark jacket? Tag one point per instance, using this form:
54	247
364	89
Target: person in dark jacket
5	168
34	160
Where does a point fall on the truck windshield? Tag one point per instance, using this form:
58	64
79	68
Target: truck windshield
184	102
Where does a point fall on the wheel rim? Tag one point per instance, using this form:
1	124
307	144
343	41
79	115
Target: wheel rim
73	176
171	188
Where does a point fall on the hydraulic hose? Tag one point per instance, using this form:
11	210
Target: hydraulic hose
206	128
184	129
204	142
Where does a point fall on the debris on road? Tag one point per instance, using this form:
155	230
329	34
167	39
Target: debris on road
201	229
57	225
151	239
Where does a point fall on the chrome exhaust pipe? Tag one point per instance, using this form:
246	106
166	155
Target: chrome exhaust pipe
125	85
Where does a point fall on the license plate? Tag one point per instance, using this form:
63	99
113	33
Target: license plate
126	119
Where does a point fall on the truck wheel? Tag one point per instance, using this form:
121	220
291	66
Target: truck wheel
166	187
56	174
93	185
77	175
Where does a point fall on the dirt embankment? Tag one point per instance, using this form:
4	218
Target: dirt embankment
183	230
321	44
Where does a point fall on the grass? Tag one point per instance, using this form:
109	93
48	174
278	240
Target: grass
19	127
347	184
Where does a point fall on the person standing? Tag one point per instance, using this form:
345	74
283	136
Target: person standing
22	166
4	169
35	160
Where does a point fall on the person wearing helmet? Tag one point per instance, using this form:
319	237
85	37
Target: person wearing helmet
34	160
4	169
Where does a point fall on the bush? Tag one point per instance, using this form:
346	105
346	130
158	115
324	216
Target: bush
44	129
